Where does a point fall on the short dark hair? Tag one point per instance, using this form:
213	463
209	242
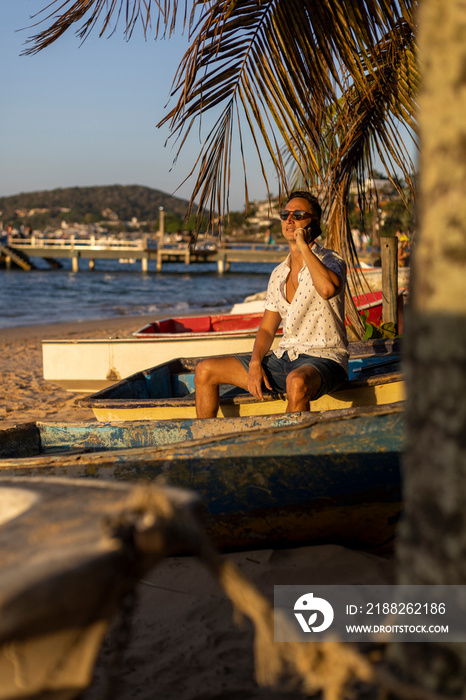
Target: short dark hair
313	201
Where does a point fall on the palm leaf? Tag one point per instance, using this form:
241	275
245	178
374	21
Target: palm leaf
278	66
64	15
281	64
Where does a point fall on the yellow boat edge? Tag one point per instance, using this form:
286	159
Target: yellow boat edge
376	395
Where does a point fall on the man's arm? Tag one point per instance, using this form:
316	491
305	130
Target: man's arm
326	282
264	339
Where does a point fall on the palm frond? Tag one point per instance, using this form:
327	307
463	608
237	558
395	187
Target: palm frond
369	121
282	64
61	16
279	67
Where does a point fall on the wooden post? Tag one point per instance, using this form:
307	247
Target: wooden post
74	263
161	226
91	264
145	264
389	254
223	264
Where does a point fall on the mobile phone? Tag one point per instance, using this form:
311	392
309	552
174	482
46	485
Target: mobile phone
308	235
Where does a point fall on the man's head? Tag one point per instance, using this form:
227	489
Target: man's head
310	198
302	211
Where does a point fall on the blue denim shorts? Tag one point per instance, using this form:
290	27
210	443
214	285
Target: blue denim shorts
277	368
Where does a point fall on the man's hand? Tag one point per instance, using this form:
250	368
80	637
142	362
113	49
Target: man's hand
301	238
256	376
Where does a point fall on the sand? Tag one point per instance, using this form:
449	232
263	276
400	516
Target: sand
25	395
185	644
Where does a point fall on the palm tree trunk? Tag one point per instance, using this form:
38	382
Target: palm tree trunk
431	547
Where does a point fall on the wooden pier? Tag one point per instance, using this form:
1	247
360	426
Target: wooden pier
144	250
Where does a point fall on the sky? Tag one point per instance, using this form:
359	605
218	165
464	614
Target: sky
84	114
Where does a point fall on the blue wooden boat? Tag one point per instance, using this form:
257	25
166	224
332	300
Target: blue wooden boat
332	478
167	390
47	438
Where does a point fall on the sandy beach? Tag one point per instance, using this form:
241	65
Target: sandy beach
185	644
26	396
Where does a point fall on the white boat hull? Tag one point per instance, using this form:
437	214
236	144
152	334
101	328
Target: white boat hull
86	366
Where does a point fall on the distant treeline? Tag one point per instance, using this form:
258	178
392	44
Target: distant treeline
91	204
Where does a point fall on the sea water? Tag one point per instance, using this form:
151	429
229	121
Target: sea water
117	289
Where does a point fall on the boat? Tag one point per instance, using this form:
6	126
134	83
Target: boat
72	552
201	325
373	277
334	477
166	391
30	440
88	365
369	303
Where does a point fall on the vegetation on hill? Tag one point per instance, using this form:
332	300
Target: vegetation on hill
91	204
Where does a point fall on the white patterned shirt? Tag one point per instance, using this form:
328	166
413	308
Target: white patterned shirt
311	324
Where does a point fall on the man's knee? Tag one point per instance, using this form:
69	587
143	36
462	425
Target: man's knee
203	372
303	384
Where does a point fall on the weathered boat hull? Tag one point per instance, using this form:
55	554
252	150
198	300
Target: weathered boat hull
167	391
330	479
29	440
68	558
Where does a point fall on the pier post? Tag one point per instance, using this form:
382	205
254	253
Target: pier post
91	263
144	264
161	226
389	255
74	263
159	258
223	264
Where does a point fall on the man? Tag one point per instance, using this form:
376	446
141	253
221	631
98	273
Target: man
307	292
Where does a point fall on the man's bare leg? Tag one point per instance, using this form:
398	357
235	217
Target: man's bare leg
302	385
212	372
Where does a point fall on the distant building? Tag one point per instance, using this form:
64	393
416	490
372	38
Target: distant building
265	212
380	185
109	214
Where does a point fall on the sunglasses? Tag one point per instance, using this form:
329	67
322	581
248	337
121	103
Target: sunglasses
298	214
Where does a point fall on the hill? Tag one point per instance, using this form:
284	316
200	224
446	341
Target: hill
92	203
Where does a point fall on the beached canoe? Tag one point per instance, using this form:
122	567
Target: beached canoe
71	551
167	391
332	478
29	440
